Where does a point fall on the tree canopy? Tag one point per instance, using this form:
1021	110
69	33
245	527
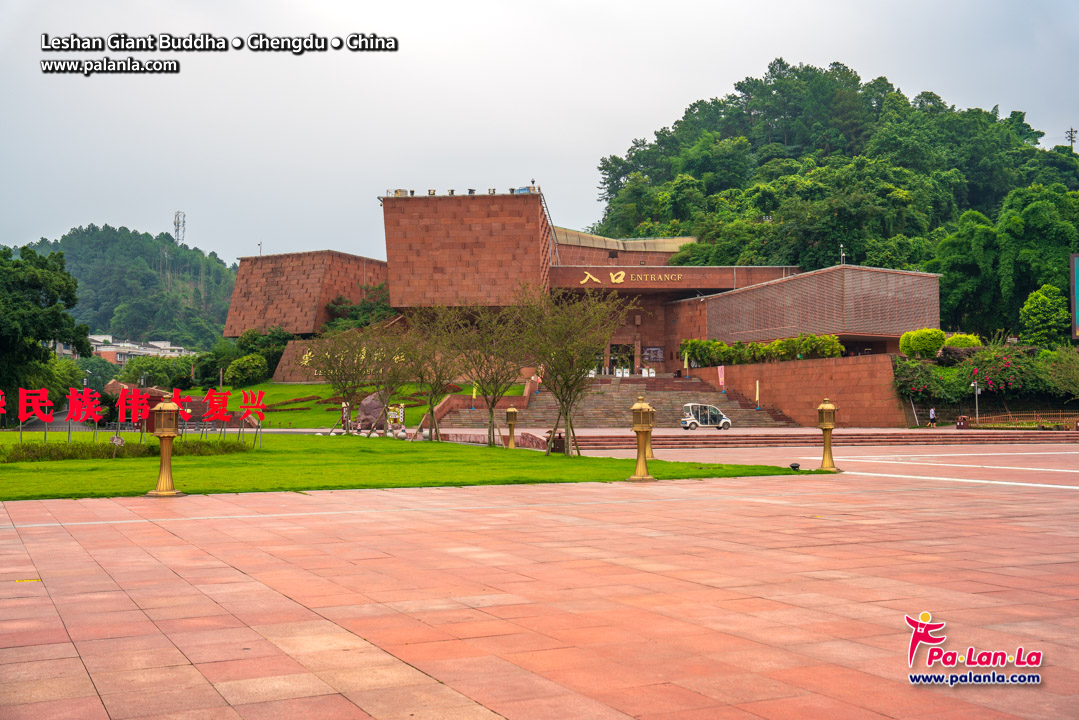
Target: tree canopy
794	164
36	296
142	287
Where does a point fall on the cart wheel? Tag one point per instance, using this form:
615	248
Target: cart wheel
693	426
725	426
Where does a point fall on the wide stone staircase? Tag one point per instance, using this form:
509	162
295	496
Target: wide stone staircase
609	401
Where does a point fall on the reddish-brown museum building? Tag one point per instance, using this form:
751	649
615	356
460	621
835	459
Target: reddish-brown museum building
477	249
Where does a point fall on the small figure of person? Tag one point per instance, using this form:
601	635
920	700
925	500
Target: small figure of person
932	417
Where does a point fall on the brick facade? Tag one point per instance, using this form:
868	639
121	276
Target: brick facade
465	249
845	300
293	289
861	387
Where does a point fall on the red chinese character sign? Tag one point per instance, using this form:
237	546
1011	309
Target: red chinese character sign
252	403
134	403
217	406
33	403
84	405
179	402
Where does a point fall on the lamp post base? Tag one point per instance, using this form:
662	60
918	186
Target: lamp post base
165	493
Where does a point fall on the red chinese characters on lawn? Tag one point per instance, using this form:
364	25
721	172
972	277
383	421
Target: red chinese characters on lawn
84	405
179	402
133	402
252	403
216	406
132	405
32	403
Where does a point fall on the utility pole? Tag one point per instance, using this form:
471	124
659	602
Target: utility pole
179	224
1070	134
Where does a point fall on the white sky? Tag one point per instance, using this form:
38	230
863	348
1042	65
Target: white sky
294	150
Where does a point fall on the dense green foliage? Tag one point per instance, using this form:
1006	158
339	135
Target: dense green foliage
85	448
141	287
1045	318
269	344
245	371
804	159
37	294
1003	372
963	340
706	353
346	315
160	371
97	372
924	343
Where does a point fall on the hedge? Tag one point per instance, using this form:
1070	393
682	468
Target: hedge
706	353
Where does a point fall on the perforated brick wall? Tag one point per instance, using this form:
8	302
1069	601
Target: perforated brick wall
840	300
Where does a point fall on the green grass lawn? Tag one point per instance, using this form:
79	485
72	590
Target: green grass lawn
323	415
307	462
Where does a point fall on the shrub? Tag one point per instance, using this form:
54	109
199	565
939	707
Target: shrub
103	449
706	353
246	370
963	340
951	356
924	343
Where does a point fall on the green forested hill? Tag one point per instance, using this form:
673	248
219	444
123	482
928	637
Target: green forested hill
137	286
795	163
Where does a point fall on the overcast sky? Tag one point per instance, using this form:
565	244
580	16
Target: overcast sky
293	151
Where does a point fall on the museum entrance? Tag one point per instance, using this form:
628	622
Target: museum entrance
621	358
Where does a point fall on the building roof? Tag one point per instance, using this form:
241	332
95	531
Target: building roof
565	236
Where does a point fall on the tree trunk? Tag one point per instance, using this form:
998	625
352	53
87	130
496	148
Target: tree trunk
550	440
377	418
490	426
576	444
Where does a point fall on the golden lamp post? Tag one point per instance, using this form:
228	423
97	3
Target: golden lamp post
648	437
643	415
826	422
511	420
166	427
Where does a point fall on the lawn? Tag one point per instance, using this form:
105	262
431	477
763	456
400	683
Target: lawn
323	415
307	462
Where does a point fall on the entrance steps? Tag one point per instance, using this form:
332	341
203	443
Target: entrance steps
608	403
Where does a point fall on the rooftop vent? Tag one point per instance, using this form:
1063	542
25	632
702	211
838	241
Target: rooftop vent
450	192
472	191
400	192
490	191
430	192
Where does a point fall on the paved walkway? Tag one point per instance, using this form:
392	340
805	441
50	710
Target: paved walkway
755	598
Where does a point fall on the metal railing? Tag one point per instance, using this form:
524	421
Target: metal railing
1058	420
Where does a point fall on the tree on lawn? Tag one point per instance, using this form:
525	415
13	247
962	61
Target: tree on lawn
1045	318
390	370
565	332
429	351
342	360
488	341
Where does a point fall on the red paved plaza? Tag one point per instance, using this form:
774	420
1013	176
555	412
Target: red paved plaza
755	598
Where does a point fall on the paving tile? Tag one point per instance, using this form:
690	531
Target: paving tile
322	707
670	600
80	708
162	701
276	687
